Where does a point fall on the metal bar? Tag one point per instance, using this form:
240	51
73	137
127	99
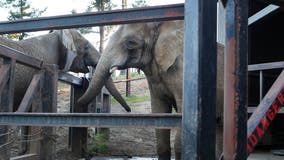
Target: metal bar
128	84
199	81
69	78
78	136
4	72
164	121
31	91
6	102
260	85
262	13
105	104
252	109
265	112
235	95
20	57
132	79
49	104
25	157
145	14
9	95
266	66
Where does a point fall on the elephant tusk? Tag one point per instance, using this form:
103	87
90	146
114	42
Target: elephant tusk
112	70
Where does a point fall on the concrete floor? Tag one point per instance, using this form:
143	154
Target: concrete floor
264	155
257	155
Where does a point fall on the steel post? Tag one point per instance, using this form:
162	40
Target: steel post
49	104
235	87
199	81
78	136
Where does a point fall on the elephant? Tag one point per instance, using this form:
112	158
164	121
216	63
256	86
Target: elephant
157	49
67	48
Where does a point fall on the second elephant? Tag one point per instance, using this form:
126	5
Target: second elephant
156	49
66	48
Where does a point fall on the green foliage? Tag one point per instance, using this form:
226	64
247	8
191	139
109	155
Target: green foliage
99	146
139	3
132	99
20	9
101	5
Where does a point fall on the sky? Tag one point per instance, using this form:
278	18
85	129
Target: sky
59	7
62	7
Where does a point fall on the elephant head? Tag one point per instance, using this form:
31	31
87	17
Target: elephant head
67	48
77	53
138	46
80	53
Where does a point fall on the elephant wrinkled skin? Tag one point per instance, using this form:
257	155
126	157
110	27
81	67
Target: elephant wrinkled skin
66	48
156	49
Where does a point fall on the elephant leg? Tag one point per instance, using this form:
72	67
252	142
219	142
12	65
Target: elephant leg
178	145
219	140
162	135
163	144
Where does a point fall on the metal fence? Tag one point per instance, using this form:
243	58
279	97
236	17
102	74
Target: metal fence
197	120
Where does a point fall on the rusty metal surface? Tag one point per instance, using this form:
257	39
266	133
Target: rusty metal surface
164	121
265	112
235	86
20	57
144	14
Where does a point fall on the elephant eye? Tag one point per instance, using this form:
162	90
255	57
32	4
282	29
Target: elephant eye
132	44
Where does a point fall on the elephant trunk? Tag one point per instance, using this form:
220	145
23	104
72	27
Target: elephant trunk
100	77
114	92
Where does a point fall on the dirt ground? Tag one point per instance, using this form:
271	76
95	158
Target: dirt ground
122	142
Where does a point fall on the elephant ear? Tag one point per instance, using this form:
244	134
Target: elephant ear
169	44
68	50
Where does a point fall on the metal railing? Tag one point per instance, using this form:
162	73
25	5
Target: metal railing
161	13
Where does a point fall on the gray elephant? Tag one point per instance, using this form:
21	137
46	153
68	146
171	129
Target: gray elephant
66	48
156	49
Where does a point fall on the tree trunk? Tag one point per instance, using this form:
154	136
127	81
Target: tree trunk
102	38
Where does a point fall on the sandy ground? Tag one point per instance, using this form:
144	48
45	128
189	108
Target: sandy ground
130	142
127	143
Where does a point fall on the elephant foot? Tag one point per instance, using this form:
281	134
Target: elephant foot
165	156
178	157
